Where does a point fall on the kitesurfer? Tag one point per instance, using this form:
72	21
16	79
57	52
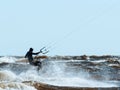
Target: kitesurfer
31	60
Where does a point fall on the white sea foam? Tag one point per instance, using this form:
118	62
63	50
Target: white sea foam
55	74
76	82
7	59
17	86
30	75
1	89
6	75
98	61
52	72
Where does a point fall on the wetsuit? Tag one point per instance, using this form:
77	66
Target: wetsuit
30	58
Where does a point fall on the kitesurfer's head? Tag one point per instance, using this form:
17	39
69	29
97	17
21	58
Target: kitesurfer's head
31	49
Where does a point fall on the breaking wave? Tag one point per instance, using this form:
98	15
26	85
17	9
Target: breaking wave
73	73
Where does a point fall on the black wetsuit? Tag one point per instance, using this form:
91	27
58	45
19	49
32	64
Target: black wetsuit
29	55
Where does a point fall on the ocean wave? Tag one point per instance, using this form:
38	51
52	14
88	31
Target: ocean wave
59	73
15	86
8	59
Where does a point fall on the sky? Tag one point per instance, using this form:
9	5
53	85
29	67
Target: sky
64	27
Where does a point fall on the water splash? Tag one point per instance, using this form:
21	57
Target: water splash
6	75
15	86
7	59
57	73
54	72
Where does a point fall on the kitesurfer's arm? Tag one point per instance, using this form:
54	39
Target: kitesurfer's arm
26	55
36	53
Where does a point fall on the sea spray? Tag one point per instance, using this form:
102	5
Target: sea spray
52	68
60	69
15	86
57	73
7	59
30	75
6	75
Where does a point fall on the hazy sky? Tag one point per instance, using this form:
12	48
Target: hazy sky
68	27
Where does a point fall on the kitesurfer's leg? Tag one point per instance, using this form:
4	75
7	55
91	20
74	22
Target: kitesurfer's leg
39	65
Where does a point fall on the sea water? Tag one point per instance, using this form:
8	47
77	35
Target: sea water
71	73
